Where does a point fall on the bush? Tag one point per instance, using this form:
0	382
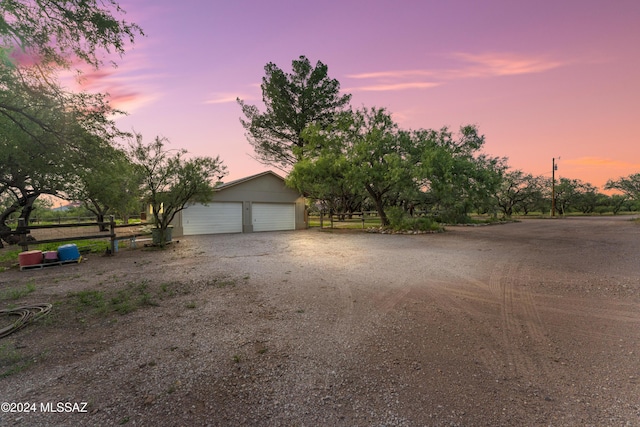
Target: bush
400	221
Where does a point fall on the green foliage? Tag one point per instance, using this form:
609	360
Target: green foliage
46	133
292	102
121	301
519	192
456	176
46	137
12	294
347	161
111	186
84	246
170	180
360	155
11	361
629	186
84	300
399	220
57	30
364	156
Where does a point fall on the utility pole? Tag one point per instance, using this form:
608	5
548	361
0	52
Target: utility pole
553	186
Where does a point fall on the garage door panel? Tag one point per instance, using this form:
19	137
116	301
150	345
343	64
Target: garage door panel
214	218
273	216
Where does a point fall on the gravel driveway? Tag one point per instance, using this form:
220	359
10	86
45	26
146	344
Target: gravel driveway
529	323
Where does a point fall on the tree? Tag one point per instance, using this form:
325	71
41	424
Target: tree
629	186
378	157
587	199
45	140
292	101
567	194
454	174
111	186
517	191
55	30
361	153
170	180
42	128
323	179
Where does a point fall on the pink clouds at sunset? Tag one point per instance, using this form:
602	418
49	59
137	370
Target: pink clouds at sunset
540	79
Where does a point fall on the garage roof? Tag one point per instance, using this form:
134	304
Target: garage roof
245	179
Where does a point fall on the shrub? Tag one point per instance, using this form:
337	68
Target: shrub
400	221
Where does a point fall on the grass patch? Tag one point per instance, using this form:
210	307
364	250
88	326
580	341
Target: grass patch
89	300
12	294
11	361
84	246
132	297
221	283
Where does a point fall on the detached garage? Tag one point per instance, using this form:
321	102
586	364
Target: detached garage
259	202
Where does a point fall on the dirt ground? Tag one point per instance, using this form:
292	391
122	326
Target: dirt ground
533	323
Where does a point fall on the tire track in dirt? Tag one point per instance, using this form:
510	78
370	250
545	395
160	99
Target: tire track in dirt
519	332
521	327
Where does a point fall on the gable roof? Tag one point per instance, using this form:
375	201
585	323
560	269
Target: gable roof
245	179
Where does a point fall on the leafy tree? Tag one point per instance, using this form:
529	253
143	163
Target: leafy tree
587	199
292	102
323	179
537	198
111	186
45	141
617	202
515	188
321	174
361	153
454	174
43	129
567	194
629	186
378	157
56	30
170	180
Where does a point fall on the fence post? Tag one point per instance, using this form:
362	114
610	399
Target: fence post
321	218
112	229
22	230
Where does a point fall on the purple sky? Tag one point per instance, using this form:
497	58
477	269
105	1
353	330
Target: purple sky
541	79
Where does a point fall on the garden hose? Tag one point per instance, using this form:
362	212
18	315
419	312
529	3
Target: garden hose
25	314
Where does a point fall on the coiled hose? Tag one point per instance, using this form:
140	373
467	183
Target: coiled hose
26	314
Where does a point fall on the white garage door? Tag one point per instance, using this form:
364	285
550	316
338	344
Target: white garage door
216	217
273	216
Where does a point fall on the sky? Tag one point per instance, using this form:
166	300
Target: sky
541	79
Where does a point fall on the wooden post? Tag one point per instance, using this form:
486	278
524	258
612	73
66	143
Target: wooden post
321	218
112	228
23	231
553	187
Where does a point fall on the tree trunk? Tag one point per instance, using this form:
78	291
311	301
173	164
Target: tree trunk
377	198
26	203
